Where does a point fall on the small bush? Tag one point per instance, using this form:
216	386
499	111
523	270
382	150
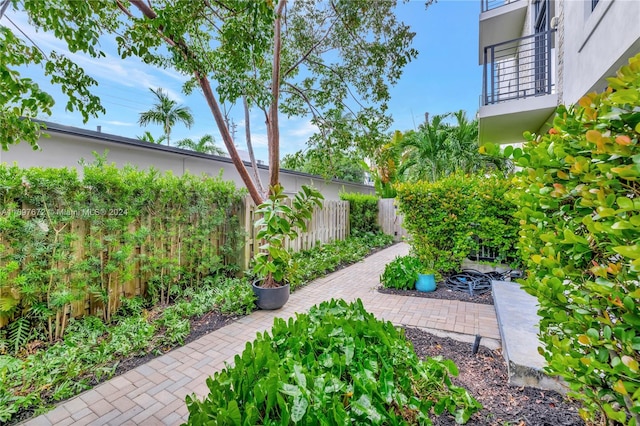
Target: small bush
363	212
234	296
401	273
337	364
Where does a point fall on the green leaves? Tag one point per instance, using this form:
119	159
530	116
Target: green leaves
402	273
579	210
450	218
278	224
303	371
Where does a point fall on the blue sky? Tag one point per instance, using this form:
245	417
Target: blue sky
445	77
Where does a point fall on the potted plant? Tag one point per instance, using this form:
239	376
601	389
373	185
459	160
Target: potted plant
401	273
279	223
426	278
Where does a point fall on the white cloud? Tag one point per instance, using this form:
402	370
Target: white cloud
259	139
120	123
303	130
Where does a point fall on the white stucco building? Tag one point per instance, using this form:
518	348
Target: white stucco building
537	54
66	146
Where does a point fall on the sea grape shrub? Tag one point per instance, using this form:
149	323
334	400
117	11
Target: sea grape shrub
579	209
336	364
449	218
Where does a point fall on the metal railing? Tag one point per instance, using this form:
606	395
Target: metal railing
518	68
487	5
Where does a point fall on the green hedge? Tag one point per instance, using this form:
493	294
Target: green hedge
363	212
71	245
448	219
579	204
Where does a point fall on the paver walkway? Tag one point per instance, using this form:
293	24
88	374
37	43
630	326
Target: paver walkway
154	393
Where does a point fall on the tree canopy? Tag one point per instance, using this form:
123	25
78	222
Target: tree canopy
341	165
331	59
439	147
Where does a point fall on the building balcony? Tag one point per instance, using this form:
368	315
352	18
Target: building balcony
500	20
518	91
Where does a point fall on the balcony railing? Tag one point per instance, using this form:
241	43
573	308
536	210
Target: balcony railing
518	68
487	5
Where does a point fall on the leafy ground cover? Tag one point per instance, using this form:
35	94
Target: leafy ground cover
92	351
336	364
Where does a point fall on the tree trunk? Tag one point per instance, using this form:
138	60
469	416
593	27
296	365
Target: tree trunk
228	140
247	131
274	133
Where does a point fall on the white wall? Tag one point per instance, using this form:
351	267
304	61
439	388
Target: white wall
68	145
597	43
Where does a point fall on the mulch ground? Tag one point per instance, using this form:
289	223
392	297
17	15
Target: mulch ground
442	292
485	376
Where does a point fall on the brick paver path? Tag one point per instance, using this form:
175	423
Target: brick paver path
154	393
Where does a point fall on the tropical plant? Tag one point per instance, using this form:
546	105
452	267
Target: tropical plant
401	273
167	113
435	150
278	223
148	137
385	172
578	198
336	364
344	89
206	145
425	153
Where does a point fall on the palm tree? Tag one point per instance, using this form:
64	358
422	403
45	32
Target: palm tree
148	137
206	145
166	112
425	152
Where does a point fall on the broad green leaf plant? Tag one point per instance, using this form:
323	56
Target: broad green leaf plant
335	365
278	224
578	198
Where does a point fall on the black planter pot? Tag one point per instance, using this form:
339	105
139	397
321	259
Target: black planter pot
270	298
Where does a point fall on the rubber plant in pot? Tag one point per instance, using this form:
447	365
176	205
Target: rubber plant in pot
278	224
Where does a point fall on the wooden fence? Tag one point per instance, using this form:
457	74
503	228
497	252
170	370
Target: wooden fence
327	224
390	220
130	275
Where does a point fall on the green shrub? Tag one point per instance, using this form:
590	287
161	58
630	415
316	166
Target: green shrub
337	364
579	205
363	212
234	296
448	219
401	273
114	231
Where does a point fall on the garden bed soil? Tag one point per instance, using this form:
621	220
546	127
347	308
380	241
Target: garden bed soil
485	376
444	293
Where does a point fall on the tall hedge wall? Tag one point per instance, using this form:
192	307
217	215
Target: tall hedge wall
448	219
71	245
363	212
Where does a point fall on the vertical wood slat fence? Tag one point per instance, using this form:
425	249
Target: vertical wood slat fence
327	224
390	219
